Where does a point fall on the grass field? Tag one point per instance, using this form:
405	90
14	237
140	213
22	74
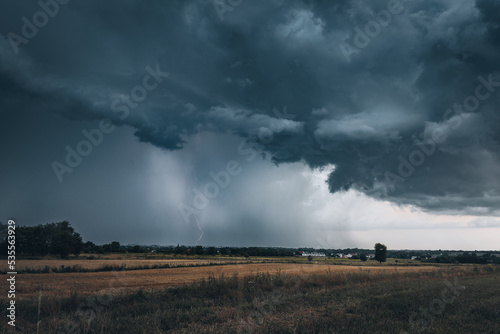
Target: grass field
263	298
119	262
64	284
50	265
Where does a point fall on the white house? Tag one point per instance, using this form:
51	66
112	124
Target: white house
313	254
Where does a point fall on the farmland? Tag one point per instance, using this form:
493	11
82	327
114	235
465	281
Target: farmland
224	295
119	262
114	264
153	279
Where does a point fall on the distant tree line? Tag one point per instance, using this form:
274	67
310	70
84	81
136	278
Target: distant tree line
56	239
229	251
60	239
466	257
112	247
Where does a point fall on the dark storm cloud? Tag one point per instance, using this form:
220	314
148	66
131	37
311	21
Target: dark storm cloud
227	76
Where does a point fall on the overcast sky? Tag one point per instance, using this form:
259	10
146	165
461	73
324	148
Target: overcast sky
271	123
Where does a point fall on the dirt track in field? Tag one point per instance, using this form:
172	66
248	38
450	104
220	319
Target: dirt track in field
63	284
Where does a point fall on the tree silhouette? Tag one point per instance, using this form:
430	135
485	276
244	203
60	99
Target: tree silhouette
380	252
54	238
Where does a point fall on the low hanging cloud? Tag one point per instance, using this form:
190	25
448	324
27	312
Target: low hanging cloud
411	118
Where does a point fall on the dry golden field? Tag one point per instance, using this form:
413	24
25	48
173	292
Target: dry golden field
100	263
326	299
64	284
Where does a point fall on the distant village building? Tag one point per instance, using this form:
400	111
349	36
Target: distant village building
312	254
346	256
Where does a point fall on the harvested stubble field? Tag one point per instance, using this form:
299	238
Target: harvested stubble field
65	284
23	265
304	299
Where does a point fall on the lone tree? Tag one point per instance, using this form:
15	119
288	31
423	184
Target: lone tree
380	252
